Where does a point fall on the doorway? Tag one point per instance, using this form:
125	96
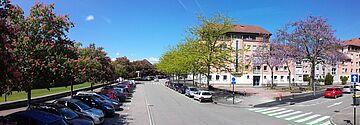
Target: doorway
256	80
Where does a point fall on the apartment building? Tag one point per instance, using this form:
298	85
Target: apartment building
247	74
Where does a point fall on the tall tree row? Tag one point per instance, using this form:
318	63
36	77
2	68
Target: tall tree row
36	51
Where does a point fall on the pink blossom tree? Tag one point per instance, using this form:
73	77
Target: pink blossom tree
314	40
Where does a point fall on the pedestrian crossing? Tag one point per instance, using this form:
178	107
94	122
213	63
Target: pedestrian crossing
308	118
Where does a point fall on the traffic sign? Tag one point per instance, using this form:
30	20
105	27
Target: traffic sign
354	77
233	80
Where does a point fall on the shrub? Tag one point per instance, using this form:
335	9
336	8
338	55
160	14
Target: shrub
306	78
321	80
329	79
344	79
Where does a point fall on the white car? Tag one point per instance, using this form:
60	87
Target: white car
347	89
203	96
191	91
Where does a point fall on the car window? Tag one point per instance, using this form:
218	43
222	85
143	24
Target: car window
72	106
346	86
193	89
68	113
329	89
206	93
82	105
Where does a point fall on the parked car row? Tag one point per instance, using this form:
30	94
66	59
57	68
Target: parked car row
191	92
84	108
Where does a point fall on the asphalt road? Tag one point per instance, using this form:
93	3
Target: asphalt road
167	107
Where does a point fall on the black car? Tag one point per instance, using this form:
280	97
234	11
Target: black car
32	117
70	117
183	89
95	102
178	87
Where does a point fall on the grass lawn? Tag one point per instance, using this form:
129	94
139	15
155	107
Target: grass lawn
40	92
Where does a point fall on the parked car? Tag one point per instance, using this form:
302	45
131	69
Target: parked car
348	89
190	91
32	117
203	96
96	115
95	102
115	104
182	89
178	87
333	92
357	87
68	115
110	92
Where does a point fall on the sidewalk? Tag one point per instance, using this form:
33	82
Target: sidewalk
346	114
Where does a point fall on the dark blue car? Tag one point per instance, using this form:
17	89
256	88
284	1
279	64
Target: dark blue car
33	117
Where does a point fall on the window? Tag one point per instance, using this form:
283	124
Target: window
210	77
265	67
217	77
249	37
282	77
248	77
224	77
317	68
277	68
285	67
345	70
333	71
275	77
264	77
288	77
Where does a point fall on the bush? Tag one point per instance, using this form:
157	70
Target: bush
321	80
329	79
344	79
306	78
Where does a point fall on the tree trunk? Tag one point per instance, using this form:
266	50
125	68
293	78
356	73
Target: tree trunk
289	79
72	89
272	77
193	79
208	76
312	80
29	97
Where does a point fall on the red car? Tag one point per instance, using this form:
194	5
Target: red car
333	92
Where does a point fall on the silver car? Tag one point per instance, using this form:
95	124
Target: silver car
190	91
347	89
96	115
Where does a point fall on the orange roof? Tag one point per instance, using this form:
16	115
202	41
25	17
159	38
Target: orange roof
249	29
353	42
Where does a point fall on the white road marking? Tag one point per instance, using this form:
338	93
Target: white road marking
263	110
335	104
318	120
298	116
253	109
285	115
326	123
272	111
307	118
279	113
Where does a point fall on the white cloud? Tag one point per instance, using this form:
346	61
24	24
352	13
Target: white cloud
113	59
153	60
90	18
117	54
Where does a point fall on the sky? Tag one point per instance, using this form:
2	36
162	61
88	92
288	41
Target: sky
145	29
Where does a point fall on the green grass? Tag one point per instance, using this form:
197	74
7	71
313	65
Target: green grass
40	92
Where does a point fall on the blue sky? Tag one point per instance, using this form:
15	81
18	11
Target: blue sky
142	29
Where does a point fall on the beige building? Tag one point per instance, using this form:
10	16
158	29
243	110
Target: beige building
252	37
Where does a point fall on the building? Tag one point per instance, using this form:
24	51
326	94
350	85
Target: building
252	37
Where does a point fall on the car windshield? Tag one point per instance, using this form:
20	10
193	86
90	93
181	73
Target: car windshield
329	89
206	93
82	105
96	99
346	86
193	89
68	113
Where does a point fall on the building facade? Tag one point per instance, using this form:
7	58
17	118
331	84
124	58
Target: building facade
249	38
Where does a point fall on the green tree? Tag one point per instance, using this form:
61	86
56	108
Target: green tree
344	79
212	33
329	79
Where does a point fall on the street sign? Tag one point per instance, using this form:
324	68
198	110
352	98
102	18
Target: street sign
354	77
233	80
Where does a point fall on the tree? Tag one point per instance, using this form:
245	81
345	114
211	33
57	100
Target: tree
267	54
314	39
144	66
10	75
211	32
122	67
43	47
329	79
344	79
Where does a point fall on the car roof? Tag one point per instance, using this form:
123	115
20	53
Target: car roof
53	105
37	115
68	100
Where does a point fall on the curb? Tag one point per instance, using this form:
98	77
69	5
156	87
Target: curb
229	105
